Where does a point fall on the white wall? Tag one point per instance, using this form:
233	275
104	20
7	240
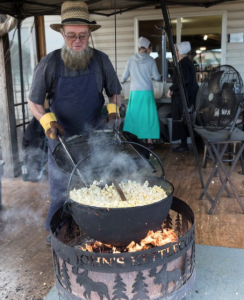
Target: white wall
104	38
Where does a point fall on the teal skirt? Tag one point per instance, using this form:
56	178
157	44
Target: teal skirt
141	117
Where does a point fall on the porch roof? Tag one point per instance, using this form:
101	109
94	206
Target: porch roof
27	8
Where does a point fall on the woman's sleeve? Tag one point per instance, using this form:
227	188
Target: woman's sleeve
126	73
186	72
155	73
174	86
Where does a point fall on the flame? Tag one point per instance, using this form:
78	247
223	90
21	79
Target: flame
87	248
153	239
156	239
115	250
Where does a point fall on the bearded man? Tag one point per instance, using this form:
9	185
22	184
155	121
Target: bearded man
72	79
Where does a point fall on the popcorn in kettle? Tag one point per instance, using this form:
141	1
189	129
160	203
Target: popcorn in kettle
135	193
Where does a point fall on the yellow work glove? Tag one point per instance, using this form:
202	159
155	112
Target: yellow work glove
113	114
51	126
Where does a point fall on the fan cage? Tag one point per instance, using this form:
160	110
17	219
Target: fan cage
219	97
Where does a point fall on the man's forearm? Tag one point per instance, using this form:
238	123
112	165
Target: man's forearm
116	99
37	110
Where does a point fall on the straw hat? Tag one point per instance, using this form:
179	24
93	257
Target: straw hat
75	13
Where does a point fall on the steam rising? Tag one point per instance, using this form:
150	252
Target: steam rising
14	217
108	160
20	213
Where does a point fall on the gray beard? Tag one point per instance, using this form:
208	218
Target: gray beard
76	60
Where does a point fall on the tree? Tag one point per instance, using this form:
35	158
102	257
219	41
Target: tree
119	288
139	287
65	276
168	222
178	225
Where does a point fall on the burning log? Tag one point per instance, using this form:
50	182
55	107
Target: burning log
153	239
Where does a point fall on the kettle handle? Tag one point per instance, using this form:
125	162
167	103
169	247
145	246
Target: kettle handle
66	208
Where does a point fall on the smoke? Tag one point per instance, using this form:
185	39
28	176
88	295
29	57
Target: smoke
108	159
26	208
14	218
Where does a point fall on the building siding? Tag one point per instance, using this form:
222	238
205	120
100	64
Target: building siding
104	38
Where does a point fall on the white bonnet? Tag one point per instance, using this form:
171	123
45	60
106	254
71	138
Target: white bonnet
143	42
184	47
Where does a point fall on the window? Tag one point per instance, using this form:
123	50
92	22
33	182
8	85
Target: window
28	46
203	32
54	39
151	30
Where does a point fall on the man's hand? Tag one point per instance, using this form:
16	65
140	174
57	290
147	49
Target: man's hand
51	126
112	119
169	94
54	130
113	114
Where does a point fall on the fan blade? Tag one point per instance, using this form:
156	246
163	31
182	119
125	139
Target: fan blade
206	115
228	97
213	82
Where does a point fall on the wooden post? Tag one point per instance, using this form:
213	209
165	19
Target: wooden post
8	130
40	37
40	43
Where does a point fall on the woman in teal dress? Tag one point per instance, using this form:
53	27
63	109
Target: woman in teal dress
141	115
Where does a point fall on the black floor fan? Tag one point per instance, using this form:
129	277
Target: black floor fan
219	99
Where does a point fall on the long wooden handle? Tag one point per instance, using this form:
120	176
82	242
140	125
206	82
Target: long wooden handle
119	190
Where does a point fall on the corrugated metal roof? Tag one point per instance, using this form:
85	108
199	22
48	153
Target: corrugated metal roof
25	8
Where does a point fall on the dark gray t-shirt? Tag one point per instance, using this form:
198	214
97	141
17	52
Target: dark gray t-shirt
44	78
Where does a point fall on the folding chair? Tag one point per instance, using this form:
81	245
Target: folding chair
230	151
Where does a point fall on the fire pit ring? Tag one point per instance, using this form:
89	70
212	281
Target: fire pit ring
165	272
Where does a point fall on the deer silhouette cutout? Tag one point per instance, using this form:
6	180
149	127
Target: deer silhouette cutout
165	277
90	285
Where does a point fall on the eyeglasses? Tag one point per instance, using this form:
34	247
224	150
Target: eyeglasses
72	37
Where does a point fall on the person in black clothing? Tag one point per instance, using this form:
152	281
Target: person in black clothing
34	151
179	128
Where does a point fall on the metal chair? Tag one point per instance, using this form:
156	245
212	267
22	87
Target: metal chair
217	144
230	151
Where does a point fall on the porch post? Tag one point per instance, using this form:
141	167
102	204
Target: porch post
182	88
8	130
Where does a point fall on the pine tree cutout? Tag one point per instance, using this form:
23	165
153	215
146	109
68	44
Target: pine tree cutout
192	257
119	288
168	222
187	266
65	276
178	225
56	266
184	224
139	287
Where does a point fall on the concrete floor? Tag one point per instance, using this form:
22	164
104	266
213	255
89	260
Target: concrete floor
219	275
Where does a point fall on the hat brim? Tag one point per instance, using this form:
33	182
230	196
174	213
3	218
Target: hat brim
57	27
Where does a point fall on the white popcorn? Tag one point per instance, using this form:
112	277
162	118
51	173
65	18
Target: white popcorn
135	193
